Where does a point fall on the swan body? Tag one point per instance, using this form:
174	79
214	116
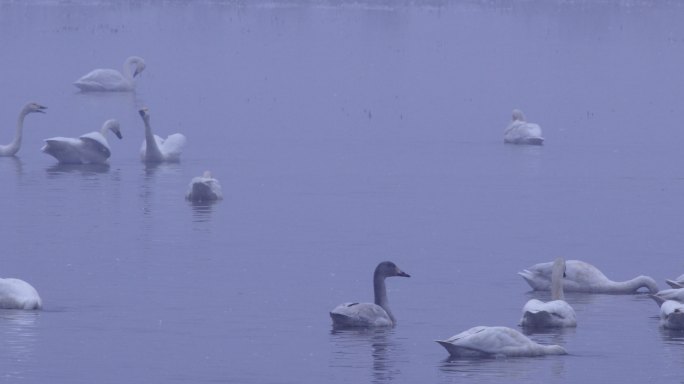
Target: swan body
676	283
376	314
112	80
90	148
555	313
484	341
519	131
12	148
584	277
18	294
157	150
672	315
204	188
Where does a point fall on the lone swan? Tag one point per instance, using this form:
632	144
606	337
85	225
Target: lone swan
555	313
584	277
157	150
12	148
204	188
369	314
112	80
520	131
484	341
18	294
90	148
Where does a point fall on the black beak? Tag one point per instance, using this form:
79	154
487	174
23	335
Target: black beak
119	135
402	273
41	109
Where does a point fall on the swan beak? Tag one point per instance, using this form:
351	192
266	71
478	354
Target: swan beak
118	134
41	109
402	273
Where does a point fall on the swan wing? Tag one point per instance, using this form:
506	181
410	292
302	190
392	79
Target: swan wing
204	189
494	341
521	132
360	315
555	313
94	148
18	294
64	149
676	294
172	147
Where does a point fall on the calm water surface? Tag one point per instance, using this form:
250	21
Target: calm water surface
344	134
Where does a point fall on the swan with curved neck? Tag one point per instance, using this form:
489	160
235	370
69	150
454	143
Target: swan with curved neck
90	148
482	341
519	131
111	79
18	294
554	313
157	150
584	277
204	188
12	148
376	314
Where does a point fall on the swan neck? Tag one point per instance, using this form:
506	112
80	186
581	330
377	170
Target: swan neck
381	294
126	71
557	281
633	285
14	146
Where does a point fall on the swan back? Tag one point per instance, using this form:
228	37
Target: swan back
18	294
482	341
672	315
376	314
204	188
519	131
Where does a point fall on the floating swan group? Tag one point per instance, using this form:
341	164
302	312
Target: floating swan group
495	341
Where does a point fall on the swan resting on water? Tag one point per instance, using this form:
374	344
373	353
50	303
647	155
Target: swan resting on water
111	79
584	277
18	294
520	131
12	148
204	188
482	341
555	313
157	150
671	312
90	148
376	314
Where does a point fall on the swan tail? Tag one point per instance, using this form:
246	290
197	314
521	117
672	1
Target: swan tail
460	351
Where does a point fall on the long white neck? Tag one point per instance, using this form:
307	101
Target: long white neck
557	280
152	152
381	294
633	285
126	71
12	148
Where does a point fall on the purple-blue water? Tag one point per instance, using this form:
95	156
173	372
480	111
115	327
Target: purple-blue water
343	134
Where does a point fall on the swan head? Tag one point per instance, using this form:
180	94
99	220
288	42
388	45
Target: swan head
517	115
113	125
34	108
389	269
139	64
145	114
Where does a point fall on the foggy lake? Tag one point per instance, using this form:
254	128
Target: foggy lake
344	133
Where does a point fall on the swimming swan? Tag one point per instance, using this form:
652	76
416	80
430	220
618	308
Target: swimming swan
18	294
111	79
204	188
676	283
584	277
155	149
90	148
484	341
369	314
555	313
520	131
12	148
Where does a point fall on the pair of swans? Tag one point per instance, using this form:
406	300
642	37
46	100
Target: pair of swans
204	189
475	342
18	294
13	147
584	277
112	80
519	131
482	341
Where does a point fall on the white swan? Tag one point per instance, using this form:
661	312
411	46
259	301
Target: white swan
204	188
676	283
12	148
369	314
484	341
671	313
90	148
520	131
555	313
584	277
155	149
18	294
676	294
111	79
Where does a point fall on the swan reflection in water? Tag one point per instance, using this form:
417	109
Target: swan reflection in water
18	333
351	346
60	169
